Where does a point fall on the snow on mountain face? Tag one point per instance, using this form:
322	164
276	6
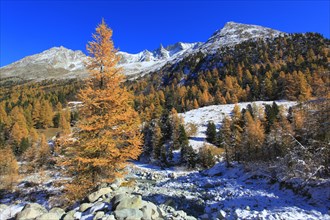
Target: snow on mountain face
157	55
59	62
56	57
148	61
234	33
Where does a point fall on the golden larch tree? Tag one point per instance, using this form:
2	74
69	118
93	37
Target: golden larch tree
8	168
109	127
64	123
253	137
44	153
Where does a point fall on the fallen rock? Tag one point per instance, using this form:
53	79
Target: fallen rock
128	214
11	211
77	215
125	201
96	195
110	217
58	211
31	211
48	216
69	215
98	215
117	198
114	186
83	207
99	206
180	214
161	212
149	211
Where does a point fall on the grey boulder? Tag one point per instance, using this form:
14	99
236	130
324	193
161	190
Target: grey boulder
31	211
125	201
96	195
128	214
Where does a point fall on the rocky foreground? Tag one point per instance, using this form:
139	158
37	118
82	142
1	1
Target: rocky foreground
149	192
108	203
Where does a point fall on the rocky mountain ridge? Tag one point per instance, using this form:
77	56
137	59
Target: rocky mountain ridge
57	63
62	63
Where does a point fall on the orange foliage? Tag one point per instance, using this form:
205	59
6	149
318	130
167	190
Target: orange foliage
109	127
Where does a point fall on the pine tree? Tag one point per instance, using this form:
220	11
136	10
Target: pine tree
211	133
188	154
183	138
271	113
109	128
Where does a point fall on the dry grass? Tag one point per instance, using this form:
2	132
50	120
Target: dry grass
49	132
128	183
215	151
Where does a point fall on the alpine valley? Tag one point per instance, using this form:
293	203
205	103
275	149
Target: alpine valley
236	127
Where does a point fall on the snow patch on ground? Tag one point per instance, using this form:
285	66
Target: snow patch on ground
233	193
216	113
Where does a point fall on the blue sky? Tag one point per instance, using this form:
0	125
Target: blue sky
29	27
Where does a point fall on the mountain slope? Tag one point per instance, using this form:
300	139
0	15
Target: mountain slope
62	63
231	34
234	33
57	62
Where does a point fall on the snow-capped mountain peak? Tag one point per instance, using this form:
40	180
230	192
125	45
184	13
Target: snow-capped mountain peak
58	61
161	53
56	57
234	33
147	61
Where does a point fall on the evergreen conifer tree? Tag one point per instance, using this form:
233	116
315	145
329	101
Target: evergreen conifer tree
211	133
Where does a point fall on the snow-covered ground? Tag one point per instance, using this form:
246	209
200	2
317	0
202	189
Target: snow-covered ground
228	193
218	193
43	187
216	113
